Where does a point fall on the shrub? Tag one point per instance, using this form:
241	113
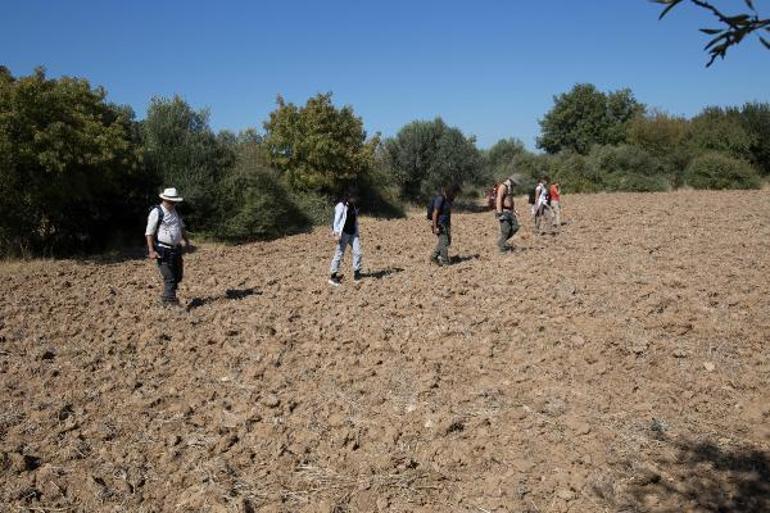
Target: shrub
716	170
626	168
378	194
571	171
317	207
254	203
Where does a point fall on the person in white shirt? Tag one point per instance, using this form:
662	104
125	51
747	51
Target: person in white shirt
541	204
345	231
166	238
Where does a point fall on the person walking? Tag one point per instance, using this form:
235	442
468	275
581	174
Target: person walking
541	204
166	239
345	232
506	213
441	223
554	194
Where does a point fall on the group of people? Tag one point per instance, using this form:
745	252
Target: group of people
167	240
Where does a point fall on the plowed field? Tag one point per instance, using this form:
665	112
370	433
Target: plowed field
622	365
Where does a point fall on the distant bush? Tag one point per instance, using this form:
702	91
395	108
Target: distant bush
626	168
254	203
716	170
317	207
571	171
378	193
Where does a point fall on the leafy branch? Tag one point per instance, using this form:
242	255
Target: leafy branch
734	28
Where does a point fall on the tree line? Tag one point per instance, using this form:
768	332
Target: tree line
78	173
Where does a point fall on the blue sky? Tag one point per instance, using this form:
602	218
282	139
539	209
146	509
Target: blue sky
488	67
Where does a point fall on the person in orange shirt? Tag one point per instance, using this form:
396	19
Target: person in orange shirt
555	196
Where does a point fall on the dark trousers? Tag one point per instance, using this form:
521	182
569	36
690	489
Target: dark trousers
171	270
509	225
441	253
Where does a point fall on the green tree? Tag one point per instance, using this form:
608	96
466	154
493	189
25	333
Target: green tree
319	147
756	120
499	159
585	116
69	164
721	130
733	27
425	155
185	153
665	137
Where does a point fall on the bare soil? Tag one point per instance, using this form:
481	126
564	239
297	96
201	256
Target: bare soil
619	366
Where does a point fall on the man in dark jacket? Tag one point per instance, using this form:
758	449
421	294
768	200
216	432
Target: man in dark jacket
442	223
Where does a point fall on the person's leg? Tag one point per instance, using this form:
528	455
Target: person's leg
556	214
540	220
514	228
358	254
505	234
444	241
437	250
339	253
168	274
179	269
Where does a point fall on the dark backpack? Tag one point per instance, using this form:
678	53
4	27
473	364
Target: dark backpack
532	196
161	220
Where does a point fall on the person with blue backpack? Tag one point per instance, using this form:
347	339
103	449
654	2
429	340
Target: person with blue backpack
345	232
440	215
166	239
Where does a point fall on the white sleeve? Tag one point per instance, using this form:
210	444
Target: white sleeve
339	210
152	223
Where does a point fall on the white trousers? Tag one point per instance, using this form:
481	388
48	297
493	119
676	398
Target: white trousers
339	252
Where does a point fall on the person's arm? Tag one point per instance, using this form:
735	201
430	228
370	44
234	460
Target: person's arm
151	253
337	225
500	197
436	210
149	234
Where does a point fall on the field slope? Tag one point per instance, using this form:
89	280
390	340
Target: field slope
622	365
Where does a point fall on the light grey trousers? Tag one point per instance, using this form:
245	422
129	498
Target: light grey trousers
339	251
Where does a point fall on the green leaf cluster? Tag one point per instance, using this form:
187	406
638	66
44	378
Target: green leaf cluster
427	155
585	116
318	146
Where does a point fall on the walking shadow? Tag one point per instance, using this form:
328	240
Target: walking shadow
457	259
711	478
378	275
231	294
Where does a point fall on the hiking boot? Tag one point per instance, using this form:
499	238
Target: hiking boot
356	276
334	280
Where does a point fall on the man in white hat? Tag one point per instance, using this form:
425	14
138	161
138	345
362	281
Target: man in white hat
166	238
506	213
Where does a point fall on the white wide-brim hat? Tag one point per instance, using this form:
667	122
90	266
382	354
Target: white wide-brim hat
172	195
